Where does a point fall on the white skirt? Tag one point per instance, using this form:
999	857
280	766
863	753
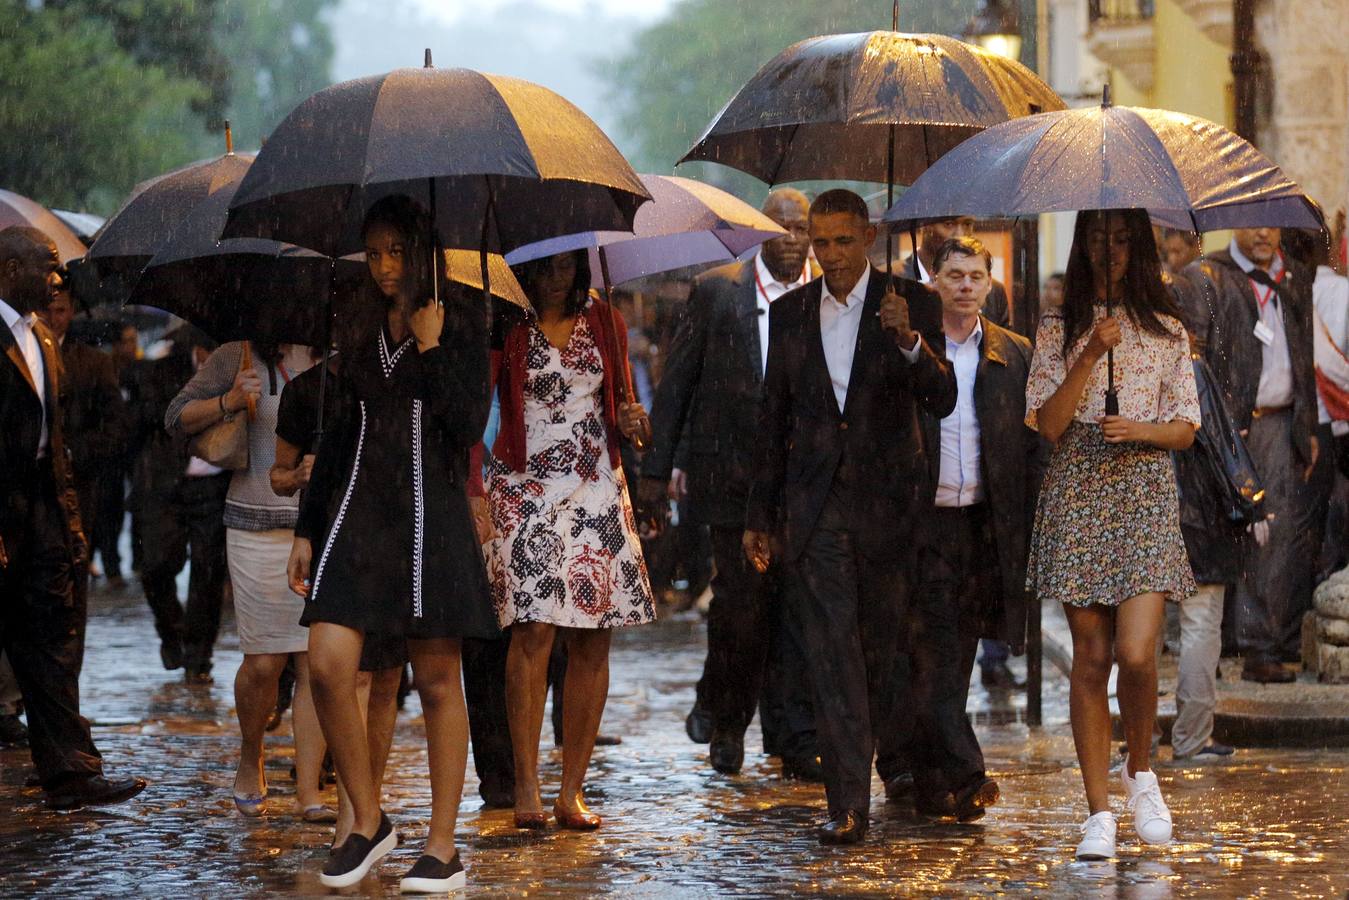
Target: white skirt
265	608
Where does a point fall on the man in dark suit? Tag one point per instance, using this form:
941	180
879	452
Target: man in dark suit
919	266
840	470
1257	340
710	392
984	470
41	543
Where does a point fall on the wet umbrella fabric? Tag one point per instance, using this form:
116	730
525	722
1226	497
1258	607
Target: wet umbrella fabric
16	209
829	107
545	167
1185	171
686	224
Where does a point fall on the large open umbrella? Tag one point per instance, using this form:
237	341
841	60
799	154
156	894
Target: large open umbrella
16	209
876	106
1183	170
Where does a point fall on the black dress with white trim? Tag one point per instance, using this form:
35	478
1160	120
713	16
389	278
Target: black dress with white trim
395	551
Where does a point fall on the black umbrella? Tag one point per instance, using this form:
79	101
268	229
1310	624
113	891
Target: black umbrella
876	106
146	221
499	161
1186	171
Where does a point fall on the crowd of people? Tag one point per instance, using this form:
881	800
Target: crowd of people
886	474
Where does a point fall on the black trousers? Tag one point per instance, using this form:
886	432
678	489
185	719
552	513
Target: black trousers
750	660
956	575
109	515
191	519
851	613
42	632
489	730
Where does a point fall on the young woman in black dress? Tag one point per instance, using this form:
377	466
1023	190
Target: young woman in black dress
386	544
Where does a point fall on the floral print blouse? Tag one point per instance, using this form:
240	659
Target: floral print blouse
1154	377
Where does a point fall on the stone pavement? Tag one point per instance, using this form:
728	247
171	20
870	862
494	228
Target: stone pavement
1271	822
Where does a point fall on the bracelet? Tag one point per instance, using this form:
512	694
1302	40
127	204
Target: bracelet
223	411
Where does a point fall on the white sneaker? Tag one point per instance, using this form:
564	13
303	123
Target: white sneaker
1098	837
1152	820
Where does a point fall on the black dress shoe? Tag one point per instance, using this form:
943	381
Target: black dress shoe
1266	672
974	798
998	675
93	790
171	653
938	806
899	788
496	794
803	768
848	827
726	753
698	725
13	733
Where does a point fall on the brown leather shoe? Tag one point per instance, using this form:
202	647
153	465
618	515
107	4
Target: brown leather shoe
1267	672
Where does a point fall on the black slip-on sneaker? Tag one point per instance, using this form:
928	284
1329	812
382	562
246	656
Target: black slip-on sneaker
350	862
431	876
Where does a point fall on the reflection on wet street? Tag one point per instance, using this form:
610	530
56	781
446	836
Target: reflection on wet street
1272	823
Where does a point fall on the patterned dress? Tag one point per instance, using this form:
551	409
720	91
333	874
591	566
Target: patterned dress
566	551
1107	526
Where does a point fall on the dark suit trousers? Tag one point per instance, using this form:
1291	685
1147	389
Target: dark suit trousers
109	516
850	610
485	694
191	518
957	573
744	623
42	632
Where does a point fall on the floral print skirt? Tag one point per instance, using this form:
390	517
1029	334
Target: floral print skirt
1107	527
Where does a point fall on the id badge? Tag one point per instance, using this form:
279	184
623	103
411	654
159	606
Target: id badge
1263	333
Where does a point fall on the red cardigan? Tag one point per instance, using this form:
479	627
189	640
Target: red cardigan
508	379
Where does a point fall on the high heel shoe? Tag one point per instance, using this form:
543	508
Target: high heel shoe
531	821
251	805
580	820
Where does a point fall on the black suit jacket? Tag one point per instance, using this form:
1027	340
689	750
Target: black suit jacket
706	409
803	436
1222	315
21	418
1013	458
96	422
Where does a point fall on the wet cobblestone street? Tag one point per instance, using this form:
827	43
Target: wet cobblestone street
1272	823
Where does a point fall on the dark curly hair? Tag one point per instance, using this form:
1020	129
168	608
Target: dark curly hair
1144	297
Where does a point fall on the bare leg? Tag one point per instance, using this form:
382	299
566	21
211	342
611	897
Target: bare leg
585	691
254	699
334	658
381	719
526	690
1088	703
1137	624
309	744
436	668
344	814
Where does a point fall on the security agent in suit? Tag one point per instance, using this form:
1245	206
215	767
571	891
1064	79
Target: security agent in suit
1254	327
840	471
707	407
984	470
41	542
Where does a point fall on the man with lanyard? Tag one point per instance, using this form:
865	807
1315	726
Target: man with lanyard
1256	337
706	409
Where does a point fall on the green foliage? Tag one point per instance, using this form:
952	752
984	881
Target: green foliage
681	71
96	95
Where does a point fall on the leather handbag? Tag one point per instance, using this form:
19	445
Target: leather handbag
225	444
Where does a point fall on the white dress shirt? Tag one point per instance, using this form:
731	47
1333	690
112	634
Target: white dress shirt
839	321
1330	296
766	290
959	482
1276	366
22	329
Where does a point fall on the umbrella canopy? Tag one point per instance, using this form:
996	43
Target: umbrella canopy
1185	171
147	220
453	139
874	106
85	225
266	290
687	223
16	209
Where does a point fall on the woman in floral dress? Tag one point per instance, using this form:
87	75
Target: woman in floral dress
564	555
1107	541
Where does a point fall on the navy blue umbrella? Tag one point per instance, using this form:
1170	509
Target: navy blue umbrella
1185	171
